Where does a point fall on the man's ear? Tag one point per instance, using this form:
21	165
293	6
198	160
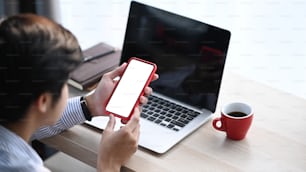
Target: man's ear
44	102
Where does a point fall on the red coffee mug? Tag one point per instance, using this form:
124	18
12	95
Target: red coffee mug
235	120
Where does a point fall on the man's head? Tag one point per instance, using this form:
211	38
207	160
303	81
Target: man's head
36	57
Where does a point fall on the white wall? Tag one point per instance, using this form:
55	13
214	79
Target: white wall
268	36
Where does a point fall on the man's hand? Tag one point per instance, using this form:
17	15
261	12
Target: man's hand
96	101
116	147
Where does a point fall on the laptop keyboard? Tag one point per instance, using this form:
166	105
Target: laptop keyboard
167	114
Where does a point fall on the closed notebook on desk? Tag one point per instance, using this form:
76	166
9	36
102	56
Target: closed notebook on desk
88	74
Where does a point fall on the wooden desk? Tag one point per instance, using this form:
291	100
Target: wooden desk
275	142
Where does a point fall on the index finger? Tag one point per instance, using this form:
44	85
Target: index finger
134	121
155	77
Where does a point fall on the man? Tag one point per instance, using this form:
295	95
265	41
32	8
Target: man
37	56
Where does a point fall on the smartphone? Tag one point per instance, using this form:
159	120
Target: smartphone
125	96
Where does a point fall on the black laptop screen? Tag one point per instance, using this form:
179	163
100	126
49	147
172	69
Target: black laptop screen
190	55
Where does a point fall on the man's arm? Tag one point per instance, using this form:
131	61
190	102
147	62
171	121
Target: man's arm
71	116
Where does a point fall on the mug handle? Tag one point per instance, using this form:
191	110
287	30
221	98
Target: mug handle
222	127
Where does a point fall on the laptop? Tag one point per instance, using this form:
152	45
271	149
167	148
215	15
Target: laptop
190	57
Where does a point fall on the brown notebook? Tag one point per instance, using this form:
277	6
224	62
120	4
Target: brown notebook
104	58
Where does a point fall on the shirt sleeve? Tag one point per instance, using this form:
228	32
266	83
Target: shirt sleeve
71	116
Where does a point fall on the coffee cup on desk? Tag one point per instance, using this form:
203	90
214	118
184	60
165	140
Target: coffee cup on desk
235	120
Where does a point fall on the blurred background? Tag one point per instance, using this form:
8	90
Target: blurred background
268	36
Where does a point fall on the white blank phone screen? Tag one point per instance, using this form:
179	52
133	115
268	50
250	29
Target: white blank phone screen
129	88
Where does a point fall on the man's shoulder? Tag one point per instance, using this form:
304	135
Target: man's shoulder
11	161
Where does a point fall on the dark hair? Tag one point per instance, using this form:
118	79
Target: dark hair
36	56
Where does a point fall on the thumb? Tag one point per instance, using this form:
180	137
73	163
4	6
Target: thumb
111	123
118	71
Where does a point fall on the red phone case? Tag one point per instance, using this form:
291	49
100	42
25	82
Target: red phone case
142	92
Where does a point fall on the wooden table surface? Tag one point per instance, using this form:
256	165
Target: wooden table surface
276	140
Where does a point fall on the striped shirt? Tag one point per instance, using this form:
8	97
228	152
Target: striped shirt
16	155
